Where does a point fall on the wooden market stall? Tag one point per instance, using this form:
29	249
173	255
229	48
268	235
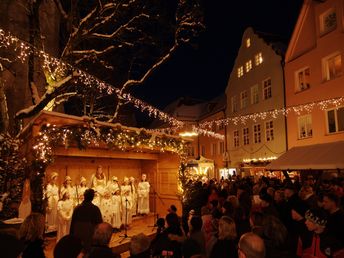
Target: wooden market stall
121	151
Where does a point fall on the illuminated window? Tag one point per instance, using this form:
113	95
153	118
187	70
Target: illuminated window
248	42
254	94
303	79
258	59
332	66
304	124
267	92
246	136
269	131
328	21
257	133
335	120
236	138
243	99
240	71
248	66
234	103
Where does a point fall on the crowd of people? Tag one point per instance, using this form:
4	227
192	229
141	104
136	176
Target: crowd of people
236	217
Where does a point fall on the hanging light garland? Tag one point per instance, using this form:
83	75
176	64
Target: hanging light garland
117	137
59	69
272	114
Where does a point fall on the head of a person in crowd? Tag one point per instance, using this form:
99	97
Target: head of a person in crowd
172	209
274	231
279	196
172	220
205	211
271	191
68	246
310	180
251	246
139	244
227	208
289	190
326	184
233	200
256	219
32	227
298	210
306	191
89	195
316	220
331	202
227	228
195	224
266	200
102	234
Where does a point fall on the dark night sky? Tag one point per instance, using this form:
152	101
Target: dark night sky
203	73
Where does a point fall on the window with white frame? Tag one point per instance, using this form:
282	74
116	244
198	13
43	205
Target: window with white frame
304	124
254	94
246	136
240	71
213	149
269	131
234	103
243	99
335	120
332	66
303	79
257	135
328	21
203	150
258	58
236	138
267	92
248	66
222	148
248	42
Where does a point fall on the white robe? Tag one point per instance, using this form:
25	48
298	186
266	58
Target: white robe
112	187
116	208
98	185
126	205
79	191
65	211
70	190
106	208
52	195
134	200
143	197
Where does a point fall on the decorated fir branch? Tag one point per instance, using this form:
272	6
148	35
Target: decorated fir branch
117	137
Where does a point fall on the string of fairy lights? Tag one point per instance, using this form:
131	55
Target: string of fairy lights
58	69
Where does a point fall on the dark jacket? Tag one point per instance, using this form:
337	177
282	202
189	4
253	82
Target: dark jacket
224	248
84	220
34	249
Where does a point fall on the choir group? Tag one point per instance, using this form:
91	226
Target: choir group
117	203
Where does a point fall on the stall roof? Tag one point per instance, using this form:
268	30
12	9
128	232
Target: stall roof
317	156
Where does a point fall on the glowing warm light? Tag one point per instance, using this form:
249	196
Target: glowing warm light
188	134
259	159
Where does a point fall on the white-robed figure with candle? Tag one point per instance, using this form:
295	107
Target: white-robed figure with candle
79	190
24	209
98	184
67	187
64	210
126	202
52	197
117	210
133	196
143	196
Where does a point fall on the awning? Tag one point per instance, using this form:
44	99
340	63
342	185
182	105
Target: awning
318	156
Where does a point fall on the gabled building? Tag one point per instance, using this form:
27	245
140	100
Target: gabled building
194	112
256	85
314	72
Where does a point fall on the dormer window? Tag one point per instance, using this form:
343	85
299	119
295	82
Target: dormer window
258	58
248	66
248	42
328	21
240	71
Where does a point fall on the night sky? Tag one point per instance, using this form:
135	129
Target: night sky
203	72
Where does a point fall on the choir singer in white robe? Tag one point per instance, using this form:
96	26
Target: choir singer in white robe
143	196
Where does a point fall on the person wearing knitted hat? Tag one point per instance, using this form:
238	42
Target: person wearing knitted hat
315	222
